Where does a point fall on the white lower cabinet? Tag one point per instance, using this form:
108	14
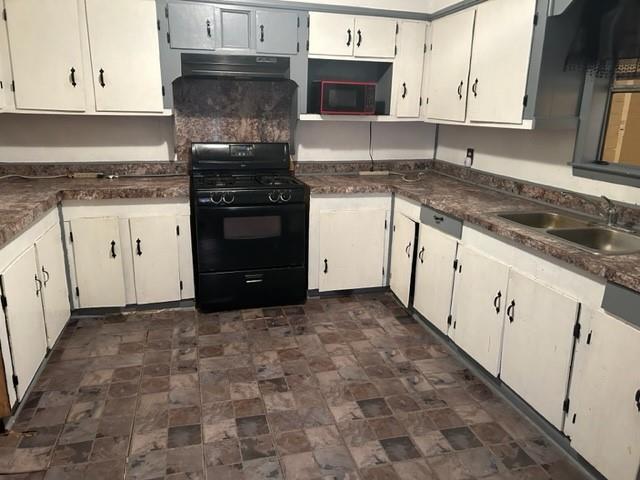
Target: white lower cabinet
187	287
351	249
434	276
402	246
25	320
479	307
53	277
538	345
98	262
156	261
604	409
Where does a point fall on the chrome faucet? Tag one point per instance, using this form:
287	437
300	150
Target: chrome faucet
611	211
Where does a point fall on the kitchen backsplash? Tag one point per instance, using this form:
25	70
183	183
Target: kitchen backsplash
217	110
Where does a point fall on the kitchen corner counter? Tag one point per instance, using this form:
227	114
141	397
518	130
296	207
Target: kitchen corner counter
477	205
23	202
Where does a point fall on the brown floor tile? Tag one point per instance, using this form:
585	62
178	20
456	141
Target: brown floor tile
386	427
374	407
184	436
257	447
512	456
252	426
461	438
288	443
399	449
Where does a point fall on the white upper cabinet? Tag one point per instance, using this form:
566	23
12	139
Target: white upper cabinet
5	70
52	274
277	32
604	409
537	345
25	320
46	57
125	56
375	37
97	256
331	34
451	40
408	68
402	247
500	60
434	276
156	263
192	25
351	249
479	307
334	34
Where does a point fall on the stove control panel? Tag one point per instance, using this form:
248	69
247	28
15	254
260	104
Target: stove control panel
279	196
240	197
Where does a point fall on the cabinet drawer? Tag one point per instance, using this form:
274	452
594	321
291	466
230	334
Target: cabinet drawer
449	225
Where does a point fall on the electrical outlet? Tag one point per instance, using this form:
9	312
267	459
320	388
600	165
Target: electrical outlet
468	160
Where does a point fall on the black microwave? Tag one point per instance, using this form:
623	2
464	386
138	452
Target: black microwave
329	97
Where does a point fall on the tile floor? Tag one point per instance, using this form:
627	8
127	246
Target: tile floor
340	388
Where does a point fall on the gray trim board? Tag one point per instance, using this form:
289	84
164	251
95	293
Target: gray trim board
608	173
622	302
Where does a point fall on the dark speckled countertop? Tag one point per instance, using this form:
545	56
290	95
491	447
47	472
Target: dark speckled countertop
24	202
477	205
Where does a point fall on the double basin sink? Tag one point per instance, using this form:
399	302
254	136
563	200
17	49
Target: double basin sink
583	233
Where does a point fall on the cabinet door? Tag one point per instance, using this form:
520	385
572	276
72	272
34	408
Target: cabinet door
479	307
5	72
98	261
191	26
538	343
402	246
375	37
25	321
277	32
500	60
44	41
155	259
407	75
451	39
235	28
351	250
331	34
55	294
434	276
187	290
604	417
126	79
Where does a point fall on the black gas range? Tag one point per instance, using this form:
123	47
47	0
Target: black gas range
250	223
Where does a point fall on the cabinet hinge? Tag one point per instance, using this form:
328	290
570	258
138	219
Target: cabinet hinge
163	92
427	102
525	100
298	47
420	101
168	38
535	19
13	86
565	405
166	11
383	271
4	14
396	50
455	264
71	237
431	47
385	225
14	378
1	85
178	230
77	292
308	21
425	48
576	330
158	25
181	285
449	320
298	22
3	301
397	28
307	45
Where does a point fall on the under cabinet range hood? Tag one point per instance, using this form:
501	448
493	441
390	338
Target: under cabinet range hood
243	67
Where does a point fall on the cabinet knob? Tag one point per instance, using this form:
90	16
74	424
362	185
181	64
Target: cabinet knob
474	88
349	38
113	249
406	250
101	78
404	90
438	219
421	255
359	39
209	28
326	266
46	276
497	301
38	285
72	77
262	33
138	249
638	399
511	311
460	90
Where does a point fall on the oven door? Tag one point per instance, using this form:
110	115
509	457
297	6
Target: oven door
249	238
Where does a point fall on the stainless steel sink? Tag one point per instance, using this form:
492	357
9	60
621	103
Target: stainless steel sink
600	240
544	220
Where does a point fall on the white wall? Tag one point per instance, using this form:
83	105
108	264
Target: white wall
66	138
540	156
349	141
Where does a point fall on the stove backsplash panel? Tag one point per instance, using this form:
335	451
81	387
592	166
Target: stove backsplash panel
221	110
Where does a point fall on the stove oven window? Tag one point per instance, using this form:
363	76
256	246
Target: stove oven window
252	228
